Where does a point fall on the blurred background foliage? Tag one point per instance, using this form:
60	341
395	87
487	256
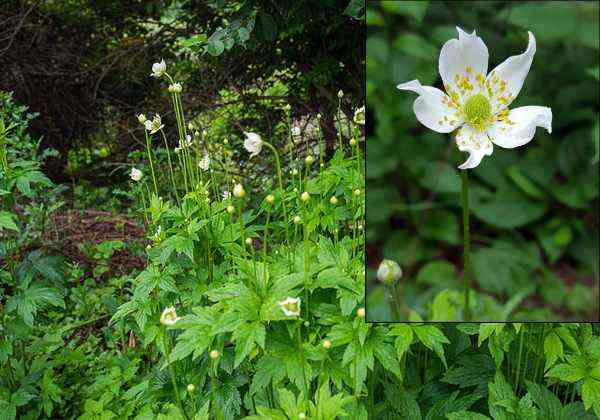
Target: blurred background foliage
84	66
534	222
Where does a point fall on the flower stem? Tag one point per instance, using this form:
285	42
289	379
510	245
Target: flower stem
172	372
150	161
302	360
466	242
280	182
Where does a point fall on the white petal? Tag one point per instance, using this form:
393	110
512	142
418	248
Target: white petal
430	108
525	120
457	54
513	72
476	143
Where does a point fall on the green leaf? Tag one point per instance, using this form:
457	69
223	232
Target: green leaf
524	183
7	221
440	177
466	415
416	46
404	338
486	329
566	372
553	349
414	9
590	394
355	9
433	339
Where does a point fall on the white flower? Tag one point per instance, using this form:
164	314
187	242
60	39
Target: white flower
359	115
158	69
290	306
389	272
253	143
141	118
135	174
226	195
169	316
476	102
154	125
204	163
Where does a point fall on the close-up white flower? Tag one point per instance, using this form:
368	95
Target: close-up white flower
290	306
169	316
154	125
158	69
476	102
253	143
135	174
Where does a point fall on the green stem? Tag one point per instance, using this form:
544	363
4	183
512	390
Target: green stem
302	360
172	372
170	166
517	377
280	183
150	161
466	242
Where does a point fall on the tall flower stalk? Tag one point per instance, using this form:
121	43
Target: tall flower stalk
281	190
466	241
475	105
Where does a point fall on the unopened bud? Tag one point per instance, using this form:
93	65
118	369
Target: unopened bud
333	200
360	312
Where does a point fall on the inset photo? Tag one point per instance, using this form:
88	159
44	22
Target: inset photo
482	149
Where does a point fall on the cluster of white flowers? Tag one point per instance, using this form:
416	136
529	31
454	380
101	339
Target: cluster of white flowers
476	103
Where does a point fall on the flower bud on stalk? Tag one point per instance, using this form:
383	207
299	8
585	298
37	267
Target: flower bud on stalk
389	272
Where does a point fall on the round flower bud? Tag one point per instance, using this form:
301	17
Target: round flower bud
326	344
319	116
294	171
225	141
352	142
141	118
230	209
360	312
302	416
270	198
295	190
309	160
191	388
297	220
190	126
305	196
249	241
238	191
357	192
306	324
214	354
322	165
340	93
333	200
389	272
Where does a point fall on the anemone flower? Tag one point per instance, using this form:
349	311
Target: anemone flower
475	103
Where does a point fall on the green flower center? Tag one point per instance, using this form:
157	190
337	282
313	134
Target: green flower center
478	111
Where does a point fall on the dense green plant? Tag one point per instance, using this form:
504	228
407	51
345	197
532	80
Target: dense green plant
534	212
487	371
253	283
